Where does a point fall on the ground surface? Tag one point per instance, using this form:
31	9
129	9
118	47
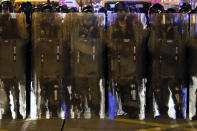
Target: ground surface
118	124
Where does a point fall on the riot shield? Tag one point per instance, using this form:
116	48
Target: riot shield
50	61
127	69
192	49
13	39
86	34
167	48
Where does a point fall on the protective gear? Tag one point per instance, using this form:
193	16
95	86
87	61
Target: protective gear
72	10
46	8
131	9
36	9
156	8
63	9
88	9
194	11
102	10
51	58
121	7
108	7
171	10
185	8
86	61
167	47
192	53
127	58
57	9
13	36
26	7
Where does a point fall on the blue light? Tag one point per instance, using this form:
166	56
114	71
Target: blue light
186	18
182	31
112	105
103	22
176	20
64	107
111	18
195	30
112	5
184	91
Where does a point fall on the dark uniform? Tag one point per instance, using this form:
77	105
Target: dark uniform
167	46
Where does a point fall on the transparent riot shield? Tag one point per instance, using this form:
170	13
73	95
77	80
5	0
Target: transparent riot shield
127	34
167	48
192	49
86	34
13	39
50	61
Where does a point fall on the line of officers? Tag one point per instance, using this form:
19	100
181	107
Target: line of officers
27	7
169	69
55	7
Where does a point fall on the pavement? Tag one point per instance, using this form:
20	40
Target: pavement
118	124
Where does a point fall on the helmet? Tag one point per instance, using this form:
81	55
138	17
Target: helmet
25	7
54	6
7	6
108	7
131	9
185	8
121	7
88	9
72	10
37	9
102	10
156	8
22	7
46	8
171	10
63	9
28	7
57	9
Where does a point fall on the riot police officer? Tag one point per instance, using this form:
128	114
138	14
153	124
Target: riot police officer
85	61
192	53
49	62
126	71
12	62
185	8
167	62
